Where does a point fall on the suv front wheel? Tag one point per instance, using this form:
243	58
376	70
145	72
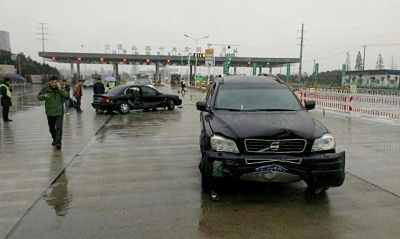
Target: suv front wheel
206	183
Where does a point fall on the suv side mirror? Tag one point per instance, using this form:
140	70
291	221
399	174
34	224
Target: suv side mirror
309	104
201	105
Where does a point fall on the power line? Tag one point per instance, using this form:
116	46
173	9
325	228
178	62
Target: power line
333	55
361	46
385	44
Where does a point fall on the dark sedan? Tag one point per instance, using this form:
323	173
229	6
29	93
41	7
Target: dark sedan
125	98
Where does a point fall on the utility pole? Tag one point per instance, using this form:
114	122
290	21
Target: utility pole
364	57
379	62
301	50
392	65
315	74
42	34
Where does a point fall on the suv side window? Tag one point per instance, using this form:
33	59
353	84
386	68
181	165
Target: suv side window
210	94
147	91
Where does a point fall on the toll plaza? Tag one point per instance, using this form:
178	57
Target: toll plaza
198	59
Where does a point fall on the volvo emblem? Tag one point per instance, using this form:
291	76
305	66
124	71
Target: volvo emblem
274	146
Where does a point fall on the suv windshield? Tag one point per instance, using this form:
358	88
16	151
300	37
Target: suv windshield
243	97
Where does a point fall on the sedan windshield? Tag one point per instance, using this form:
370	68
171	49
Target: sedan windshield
259	98
143	81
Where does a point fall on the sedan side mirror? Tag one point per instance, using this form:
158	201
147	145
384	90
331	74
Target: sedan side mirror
309	104
201	105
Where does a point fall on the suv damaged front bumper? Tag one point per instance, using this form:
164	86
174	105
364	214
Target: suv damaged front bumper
323	169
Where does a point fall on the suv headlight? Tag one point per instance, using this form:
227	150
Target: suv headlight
221	144
326	142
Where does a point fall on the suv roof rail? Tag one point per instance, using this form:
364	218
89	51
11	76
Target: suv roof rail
277	79
220	78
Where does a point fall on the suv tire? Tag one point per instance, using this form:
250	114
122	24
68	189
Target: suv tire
206	183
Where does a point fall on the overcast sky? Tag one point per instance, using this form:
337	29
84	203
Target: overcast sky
261	28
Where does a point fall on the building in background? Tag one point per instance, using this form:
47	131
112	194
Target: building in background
373	79
6	69
5	54
5	41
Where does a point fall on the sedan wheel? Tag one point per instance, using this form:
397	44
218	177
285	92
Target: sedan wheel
170	105
124	108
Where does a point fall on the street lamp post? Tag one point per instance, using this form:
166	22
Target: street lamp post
195	56
84	69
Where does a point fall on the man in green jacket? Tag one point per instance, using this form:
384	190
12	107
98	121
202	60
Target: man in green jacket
54	95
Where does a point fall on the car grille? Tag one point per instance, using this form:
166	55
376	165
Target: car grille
275	146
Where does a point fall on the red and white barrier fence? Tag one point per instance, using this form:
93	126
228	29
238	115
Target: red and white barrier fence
380	105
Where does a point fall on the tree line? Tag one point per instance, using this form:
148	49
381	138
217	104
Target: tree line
328	78
28	65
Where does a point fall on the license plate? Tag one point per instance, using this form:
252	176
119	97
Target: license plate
272	167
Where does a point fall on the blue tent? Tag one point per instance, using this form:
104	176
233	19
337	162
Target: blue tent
14	76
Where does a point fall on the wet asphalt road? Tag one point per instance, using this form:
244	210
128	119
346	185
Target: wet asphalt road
136	176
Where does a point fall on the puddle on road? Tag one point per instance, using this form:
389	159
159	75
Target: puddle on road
57	195
24	97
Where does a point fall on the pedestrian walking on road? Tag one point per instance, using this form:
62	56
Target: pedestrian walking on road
98	87
54	96
78	95
183	88
67	102
5	93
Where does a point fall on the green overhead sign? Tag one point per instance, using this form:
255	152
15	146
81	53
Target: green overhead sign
226	67
316	68
254	68
198	77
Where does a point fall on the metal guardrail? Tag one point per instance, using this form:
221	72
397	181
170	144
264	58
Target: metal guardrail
379	105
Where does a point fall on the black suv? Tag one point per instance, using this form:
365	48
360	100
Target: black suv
254	128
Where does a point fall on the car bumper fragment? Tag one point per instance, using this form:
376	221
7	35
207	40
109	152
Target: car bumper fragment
325	168
105	106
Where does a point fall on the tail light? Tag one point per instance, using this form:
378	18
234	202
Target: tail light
105	100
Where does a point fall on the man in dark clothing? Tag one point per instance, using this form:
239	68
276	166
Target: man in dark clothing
5	92
67	102
54	96
78	88
183	87
98	87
